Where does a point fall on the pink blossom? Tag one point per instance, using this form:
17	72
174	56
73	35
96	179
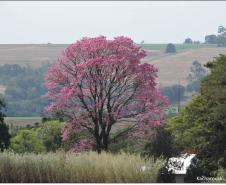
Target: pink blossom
96	82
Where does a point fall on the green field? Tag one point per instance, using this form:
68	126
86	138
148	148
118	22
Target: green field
162	47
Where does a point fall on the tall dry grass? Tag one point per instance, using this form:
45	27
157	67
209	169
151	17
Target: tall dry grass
69	167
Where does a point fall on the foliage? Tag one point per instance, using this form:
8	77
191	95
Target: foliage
197	73
4	136
70	144
122	141
50	133
161	145
46	137
90	167
188	41
201	127
24	89
221	39
97	82
174	93
4	130
27	140
170	48
188	127
211	39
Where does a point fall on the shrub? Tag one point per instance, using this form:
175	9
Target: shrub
82	168
50	133
27	140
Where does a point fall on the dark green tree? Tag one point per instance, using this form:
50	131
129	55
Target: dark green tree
170	48
211	39
161	144
4	129
188	41
201	127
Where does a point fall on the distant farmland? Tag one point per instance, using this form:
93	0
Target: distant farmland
179	47
173	68
32	54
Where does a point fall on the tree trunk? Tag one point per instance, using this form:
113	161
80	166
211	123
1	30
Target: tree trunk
105	142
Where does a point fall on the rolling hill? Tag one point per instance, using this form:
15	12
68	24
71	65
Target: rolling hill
33	54
173	68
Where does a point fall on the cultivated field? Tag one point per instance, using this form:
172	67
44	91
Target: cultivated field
173	68
179	47
33	54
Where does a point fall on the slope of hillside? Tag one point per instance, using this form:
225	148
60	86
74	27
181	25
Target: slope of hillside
33	54
174	69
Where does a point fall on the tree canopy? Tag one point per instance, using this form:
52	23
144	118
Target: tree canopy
201	126
97	82
170	48
24	89
188	41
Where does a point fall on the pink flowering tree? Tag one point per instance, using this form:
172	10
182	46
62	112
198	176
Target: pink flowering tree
97	82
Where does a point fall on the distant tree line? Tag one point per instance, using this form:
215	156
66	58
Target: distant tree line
24	89
176	93
219	39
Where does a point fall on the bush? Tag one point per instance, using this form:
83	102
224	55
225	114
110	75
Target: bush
27	140
81	168
170	48
50	133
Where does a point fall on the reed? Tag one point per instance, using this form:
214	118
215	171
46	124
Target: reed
77	168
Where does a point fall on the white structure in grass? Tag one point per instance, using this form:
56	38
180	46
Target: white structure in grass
182	164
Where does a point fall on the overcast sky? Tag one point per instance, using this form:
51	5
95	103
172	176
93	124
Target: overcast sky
65	22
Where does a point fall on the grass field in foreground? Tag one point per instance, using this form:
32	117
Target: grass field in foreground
83	168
